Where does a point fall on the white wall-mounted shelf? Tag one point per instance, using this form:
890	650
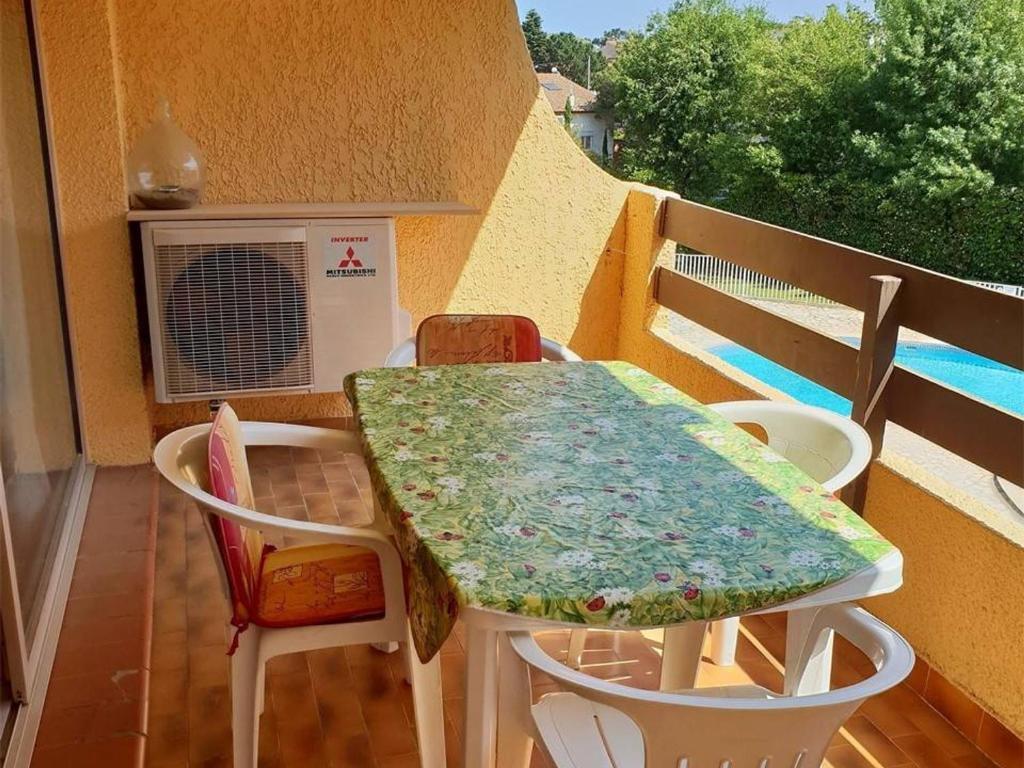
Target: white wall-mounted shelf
304	211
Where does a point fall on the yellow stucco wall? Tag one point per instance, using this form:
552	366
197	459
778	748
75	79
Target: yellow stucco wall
325	101
962	601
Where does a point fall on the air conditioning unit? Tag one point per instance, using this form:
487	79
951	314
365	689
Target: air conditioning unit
269	306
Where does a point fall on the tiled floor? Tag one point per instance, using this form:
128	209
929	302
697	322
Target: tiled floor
350	707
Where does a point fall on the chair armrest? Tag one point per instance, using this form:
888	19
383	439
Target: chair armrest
300	436
402	356
552	350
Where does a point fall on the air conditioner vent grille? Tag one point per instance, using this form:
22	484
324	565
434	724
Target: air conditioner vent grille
235	317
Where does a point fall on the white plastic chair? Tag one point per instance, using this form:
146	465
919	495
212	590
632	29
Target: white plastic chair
598	724
404	355
181	458
830	448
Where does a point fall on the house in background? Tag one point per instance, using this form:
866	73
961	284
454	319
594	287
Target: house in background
593	131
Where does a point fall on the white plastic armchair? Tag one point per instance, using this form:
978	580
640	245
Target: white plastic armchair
830	448
404	355
593	723
181	458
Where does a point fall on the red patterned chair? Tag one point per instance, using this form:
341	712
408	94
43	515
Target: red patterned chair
343	587
454	339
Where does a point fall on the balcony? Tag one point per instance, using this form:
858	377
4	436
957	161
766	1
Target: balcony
139	675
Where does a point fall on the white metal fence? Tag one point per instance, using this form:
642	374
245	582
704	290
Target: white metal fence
748	284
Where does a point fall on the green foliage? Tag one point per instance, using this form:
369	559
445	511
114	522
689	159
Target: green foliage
570	54
678	93
902	135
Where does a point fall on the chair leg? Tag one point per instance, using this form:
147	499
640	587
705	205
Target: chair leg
246	681
577	642
724	635
680	658
427	707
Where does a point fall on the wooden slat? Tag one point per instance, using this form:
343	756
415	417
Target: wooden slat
820	358
981	433
875	360
978	319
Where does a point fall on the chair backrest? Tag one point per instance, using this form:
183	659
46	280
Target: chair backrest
830	448
709	729
240	548
455	339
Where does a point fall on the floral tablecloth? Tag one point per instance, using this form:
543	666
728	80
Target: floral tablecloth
591	493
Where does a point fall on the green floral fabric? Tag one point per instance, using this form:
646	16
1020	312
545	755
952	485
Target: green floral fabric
591	493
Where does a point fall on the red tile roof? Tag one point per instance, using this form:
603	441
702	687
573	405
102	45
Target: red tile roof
557	88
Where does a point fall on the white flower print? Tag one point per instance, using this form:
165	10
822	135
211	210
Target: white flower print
452	484
617	595
404	454
468	573
365	381
586	457
485	456
712	574
580	558
509	529
620	618
428	375
399	400
437	423
850	533
495	372
805	558
728	530
514	417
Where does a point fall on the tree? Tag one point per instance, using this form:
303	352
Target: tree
947	97
681	94
536	38
575	57
812	76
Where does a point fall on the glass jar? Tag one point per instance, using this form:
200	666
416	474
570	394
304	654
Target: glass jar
165	167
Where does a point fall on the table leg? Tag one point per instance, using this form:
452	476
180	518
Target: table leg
817	676
515	722
480	719
427	705
680	657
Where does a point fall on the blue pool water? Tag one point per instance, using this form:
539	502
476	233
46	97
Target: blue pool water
983	378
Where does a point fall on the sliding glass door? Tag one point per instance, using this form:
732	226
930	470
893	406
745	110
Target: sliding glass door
39	446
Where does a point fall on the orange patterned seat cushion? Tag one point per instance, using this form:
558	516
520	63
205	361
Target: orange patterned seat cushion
318	584
456	339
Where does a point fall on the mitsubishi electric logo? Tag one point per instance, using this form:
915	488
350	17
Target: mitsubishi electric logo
349	256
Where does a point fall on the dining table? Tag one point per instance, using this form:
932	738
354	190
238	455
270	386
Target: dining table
541	496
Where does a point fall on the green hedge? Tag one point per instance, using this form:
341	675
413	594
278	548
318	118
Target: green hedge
975	238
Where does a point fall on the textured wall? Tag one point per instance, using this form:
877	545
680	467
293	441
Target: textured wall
320	101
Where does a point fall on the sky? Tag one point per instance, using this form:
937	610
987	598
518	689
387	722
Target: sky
592	18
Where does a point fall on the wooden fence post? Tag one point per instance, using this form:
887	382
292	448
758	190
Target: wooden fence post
875	361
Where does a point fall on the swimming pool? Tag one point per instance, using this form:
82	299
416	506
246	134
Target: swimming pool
985	379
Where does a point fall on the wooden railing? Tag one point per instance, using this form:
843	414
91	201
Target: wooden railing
891	294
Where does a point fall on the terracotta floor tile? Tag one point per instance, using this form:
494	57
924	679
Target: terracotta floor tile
863	735
106	658
924	751
120	752
999	743
65	726
953	705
